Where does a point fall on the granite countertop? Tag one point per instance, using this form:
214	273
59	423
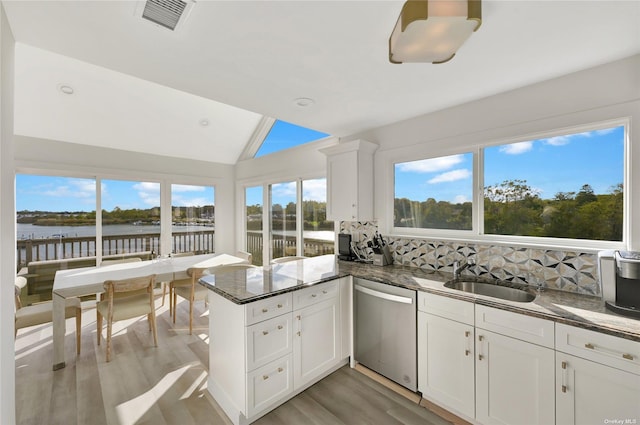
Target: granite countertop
573	309
248	285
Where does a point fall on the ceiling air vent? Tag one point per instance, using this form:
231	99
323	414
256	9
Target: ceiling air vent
166	13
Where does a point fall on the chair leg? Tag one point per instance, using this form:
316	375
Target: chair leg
78	329
190	316
149	321
152	321
109	327
170	299
99	325
175	296
164	292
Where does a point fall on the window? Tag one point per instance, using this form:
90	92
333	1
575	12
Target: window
193	219
284	135
130	218
253	223
56	229
434	193
298	222
283	219
318	234
565	186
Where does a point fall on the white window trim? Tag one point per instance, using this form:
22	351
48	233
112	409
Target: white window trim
477	234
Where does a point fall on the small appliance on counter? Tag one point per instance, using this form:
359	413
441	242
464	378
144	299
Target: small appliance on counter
344	247
620	278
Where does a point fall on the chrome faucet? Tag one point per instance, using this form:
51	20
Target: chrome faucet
457	268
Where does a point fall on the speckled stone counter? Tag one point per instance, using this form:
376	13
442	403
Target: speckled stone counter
244	286
560	306
249	285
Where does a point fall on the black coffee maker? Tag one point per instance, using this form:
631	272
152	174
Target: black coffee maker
627	284
344	247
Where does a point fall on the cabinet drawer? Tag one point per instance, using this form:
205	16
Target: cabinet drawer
613	351
268	384
266	309
315	294
268	340
527	328
449	308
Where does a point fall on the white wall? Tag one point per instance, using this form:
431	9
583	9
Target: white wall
606	92
7	225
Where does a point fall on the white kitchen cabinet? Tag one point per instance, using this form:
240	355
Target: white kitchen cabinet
514	378
316	340
446	363
602	384
350	180
265	352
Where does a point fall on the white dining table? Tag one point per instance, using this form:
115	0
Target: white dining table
90	280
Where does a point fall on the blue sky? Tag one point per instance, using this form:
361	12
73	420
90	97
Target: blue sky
549	166
284	135
47	193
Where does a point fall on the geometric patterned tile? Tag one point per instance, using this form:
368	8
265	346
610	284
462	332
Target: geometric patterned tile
565	270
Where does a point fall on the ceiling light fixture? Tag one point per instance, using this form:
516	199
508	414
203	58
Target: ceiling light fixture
304	102
433	30
204	122
65	88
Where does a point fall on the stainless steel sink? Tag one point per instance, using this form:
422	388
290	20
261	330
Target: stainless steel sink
495	290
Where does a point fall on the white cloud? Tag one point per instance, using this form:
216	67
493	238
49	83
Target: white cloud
451	176
314	190
149	193
191	202
431	165
460	199
186	188
284	190
83	189
517	148
566	139
147	187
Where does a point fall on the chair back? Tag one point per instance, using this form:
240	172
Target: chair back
133	285
20	283
245	256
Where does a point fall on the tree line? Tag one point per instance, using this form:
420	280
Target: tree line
515	208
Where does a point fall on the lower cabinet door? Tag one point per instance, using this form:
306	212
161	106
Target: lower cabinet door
446	369
268	384
592	393
514	381
316	340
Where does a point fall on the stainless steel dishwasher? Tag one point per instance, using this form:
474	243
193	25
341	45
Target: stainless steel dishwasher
385	330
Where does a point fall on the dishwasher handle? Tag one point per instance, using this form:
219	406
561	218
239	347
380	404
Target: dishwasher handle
383	295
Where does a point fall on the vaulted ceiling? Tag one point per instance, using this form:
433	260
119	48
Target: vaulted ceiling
140	87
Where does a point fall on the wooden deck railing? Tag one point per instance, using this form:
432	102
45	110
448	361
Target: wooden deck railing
286	245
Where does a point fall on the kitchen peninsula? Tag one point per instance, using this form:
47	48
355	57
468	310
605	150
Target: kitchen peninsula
275	331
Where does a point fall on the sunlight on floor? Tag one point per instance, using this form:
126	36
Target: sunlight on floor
131	411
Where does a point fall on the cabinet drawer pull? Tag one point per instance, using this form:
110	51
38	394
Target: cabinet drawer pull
279	305
324	292
280	370
480	338
298	317
480	357
298	333
279	327
467	352
466	334
265	377
313	295
563	387
265	332
264	310
625	356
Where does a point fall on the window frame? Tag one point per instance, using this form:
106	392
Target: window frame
477	233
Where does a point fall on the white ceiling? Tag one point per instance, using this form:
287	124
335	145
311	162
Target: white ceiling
144	88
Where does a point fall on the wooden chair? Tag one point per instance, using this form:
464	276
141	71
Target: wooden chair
40	313
128	303
118	261
174	283
286	259
196	292
245	256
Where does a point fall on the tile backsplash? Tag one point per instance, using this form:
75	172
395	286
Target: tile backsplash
564	270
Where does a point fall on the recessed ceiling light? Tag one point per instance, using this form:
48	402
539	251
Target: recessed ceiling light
204	122
65	88
304	102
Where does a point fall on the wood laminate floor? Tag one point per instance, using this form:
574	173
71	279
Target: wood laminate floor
166	385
